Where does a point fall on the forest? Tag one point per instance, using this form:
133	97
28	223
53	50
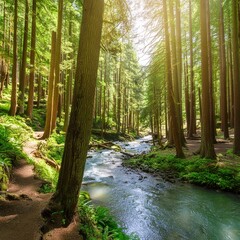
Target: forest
119	119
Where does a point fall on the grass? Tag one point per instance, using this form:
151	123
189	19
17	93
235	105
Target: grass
222	173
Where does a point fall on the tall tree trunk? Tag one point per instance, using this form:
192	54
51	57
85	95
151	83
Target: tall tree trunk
13	107
57	65
48	126
119	97
32	62
236	80
39	88
69	82
172	108
179	65
223	81
192	126
176	73
210	72
207	147
21	97
78	135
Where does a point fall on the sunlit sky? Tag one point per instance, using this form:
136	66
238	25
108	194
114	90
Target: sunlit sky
140	35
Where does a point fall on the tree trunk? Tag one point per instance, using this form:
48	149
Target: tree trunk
236	80
78	135
48	126
207	147
192	126
174	123
57	65
32	62
13	107
175	72
223	83
39	88
119	97
21	97
210	72
187	100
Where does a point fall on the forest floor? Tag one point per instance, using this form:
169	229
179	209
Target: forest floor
20	213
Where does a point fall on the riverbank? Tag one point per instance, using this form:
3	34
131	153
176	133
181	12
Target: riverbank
18	133
222	173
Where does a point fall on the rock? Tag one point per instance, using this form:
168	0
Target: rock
12	197
25	197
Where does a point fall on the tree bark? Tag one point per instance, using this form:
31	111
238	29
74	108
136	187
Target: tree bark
78	135
32	61
21	97
207	147
192	126
236	80
174	123
13	107
48	126
57	64
223	81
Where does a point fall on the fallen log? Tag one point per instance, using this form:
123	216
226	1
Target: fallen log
50	162
103	145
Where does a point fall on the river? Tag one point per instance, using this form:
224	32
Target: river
155	209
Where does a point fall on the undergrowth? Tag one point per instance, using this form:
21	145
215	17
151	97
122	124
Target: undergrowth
222	173
13	133
98	224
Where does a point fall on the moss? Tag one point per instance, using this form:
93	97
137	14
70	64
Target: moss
222	173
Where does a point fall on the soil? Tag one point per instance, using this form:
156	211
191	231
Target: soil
20	212
220	147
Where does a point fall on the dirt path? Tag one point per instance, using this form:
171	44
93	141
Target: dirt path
20	214
220	147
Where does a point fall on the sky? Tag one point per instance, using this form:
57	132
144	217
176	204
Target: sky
140	35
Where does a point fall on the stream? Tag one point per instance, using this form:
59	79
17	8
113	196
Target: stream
155	209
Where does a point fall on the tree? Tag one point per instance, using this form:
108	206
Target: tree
13	107
48	126
77	139
53	97
236	80
207	147
32	61
174	120
21	97
57	65
192	125
223	83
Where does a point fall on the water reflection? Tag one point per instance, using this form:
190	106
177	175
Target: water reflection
155	209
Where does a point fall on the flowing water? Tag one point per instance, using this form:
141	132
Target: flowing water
155	209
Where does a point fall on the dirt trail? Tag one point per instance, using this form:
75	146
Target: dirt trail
220	147
20	214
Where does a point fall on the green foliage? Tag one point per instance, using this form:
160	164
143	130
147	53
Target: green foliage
97	223
38	121
48	174
13	132
220	173
54	146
